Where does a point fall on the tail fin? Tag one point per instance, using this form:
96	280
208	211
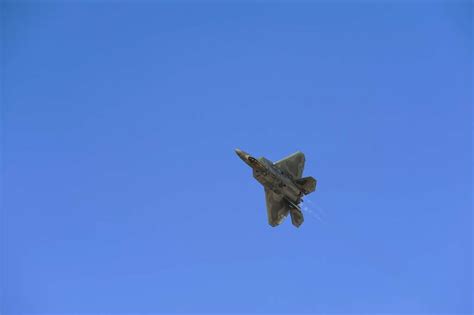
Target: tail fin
307	184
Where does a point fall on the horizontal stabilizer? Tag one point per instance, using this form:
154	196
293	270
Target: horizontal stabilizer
296	217
307	184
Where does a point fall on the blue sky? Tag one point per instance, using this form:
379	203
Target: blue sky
122	192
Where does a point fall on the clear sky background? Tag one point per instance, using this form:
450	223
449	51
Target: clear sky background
122	192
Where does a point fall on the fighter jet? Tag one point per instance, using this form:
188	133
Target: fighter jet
284	185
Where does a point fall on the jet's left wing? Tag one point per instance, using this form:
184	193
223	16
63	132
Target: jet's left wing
277	207
293	164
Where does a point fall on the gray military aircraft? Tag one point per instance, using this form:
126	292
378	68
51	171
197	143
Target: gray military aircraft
283	183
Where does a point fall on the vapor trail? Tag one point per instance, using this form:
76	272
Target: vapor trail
312	210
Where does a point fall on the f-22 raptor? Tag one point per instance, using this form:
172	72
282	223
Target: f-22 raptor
284	185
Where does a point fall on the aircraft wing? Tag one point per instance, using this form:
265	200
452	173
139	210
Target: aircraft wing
277	207
293	164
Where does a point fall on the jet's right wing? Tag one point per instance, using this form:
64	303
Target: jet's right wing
277	207
293	164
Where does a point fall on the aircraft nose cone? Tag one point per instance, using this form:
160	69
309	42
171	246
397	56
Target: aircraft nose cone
243	155
240	153
247	158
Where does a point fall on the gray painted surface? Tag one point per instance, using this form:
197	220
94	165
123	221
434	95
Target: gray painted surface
283	183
